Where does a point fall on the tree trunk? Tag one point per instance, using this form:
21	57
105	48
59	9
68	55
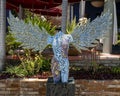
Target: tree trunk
64	15
2	32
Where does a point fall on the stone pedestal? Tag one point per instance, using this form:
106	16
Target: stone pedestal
60	89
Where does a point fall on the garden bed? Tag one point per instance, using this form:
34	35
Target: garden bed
43	75
92	81
100	73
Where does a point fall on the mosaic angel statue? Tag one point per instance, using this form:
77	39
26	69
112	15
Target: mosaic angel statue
84	35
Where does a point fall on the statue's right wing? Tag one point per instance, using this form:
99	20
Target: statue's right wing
31	36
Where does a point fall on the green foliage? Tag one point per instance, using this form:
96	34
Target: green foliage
11	43
115	69
95	66
30	65
71	26
74	68
118	42
45	65
37	20
15	71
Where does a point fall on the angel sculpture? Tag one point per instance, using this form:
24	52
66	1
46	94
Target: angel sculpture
83	37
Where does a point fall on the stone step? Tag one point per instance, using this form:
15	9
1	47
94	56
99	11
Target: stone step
113	88
98	94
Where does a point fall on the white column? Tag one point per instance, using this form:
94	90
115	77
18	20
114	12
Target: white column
115	26
82	9
2	32
64	15
71	12
20	12
108	41
68	13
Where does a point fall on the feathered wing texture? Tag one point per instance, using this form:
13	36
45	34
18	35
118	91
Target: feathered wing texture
85	35
31	36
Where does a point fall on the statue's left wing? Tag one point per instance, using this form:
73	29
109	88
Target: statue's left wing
85	35
31	36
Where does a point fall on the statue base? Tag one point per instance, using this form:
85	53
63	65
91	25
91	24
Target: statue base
60	89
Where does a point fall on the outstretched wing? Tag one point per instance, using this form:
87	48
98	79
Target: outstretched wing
86	35
31	36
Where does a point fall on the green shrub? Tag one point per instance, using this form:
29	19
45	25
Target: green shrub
115	69
36	20
118	42
71	26
30	65
15	71
11	43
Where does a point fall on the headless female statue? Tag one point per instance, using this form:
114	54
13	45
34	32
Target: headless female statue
60	64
